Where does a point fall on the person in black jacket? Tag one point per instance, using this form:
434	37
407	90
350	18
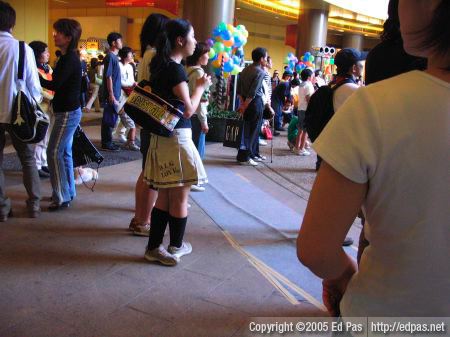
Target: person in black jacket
66	84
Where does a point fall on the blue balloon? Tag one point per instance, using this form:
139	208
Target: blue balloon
236	60
217	71
228	67
290	55
226	35
307	54
216	32
237	41
240	52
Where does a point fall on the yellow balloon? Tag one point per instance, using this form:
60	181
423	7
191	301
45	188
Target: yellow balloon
230	28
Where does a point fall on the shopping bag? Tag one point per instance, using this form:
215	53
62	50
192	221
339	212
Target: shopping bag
233	132
83	151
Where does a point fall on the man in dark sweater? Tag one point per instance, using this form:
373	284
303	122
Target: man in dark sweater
111	91
250	90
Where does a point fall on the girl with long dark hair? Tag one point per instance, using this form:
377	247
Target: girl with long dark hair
173	163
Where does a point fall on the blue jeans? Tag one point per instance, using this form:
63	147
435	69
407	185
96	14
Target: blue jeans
59	155
198	136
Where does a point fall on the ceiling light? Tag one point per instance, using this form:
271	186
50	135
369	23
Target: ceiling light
238	8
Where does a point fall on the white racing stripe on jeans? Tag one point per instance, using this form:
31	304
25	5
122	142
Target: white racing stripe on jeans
58	185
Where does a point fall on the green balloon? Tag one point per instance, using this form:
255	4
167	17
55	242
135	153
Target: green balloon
331	61
218	47
222	26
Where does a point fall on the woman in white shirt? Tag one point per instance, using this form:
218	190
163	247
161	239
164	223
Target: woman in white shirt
145	197
395	165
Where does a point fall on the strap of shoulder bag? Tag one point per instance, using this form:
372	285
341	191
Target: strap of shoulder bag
21	67
21	60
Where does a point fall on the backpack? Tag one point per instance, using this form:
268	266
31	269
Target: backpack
320	109
28	122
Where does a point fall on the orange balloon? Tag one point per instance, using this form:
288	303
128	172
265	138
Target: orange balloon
217	63
228	43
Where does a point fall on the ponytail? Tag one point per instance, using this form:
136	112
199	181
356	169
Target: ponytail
166	42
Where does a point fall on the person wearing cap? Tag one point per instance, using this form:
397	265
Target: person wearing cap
349	68
280	95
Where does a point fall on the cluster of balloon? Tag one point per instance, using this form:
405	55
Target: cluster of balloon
306	61
227	50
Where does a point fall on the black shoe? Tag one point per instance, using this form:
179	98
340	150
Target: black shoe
276	133
112	148
45	169
43	174
280	129
348	241
56	207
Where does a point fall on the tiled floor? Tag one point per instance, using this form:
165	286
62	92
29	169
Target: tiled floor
80	272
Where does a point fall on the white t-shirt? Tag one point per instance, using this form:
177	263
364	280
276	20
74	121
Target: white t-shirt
126	75
305	88
397	138
144	65
342	93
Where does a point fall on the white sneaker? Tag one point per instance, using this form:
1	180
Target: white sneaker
197	188
186	248
120	138
132	146
249	162
161	255
303	153
262	142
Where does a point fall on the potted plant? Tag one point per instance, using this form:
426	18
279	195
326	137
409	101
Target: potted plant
216	122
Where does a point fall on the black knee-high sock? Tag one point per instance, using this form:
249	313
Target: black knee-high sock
158	226
177	226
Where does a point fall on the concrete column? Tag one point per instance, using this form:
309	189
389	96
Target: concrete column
204	15
31	20
312	26
350	40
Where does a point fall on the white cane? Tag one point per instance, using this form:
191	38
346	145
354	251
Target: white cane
271	141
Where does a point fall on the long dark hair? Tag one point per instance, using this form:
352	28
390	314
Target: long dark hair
391	27
153	25
166	42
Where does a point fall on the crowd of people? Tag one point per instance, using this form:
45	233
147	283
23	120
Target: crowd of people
372	155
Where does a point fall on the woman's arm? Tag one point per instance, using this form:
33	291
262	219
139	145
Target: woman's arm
191	103
332	207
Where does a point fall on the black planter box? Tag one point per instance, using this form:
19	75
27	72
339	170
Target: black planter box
216	129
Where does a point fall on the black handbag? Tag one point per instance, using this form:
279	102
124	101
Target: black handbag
83	151
233	132
28	122
151	112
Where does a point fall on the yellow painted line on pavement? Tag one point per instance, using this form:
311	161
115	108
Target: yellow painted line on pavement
275	278
242	177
